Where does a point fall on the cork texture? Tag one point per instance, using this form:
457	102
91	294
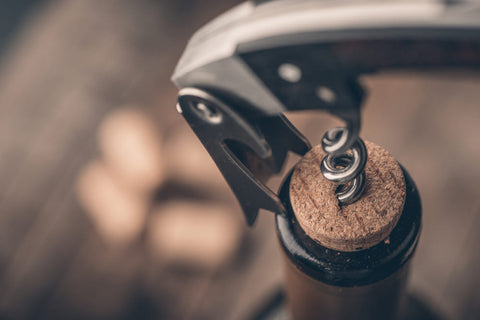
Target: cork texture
359	225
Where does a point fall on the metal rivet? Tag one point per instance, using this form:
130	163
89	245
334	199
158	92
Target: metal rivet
290	72
208	113
326	94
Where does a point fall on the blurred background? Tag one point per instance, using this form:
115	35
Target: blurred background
111	209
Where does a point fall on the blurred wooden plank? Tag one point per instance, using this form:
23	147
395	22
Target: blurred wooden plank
101	283
70	67
463	283
73	63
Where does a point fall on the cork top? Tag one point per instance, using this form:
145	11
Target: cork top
359	225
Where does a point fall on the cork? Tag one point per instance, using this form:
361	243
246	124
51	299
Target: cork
357	226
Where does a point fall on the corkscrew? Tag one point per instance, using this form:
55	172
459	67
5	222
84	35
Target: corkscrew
344	168
241	71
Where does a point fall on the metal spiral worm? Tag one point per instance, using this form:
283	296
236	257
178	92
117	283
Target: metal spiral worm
344	168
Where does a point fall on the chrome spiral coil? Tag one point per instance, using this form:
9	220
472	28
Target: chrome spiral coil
343	167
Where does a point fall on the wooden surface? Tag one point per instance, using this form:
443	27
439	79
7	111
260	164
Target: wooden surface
74	61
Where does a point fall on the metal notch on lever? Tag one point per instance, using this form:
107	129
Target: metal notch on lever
223	131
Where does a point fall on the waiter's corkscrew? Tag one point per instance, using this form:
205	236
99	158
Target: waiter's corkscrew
242	71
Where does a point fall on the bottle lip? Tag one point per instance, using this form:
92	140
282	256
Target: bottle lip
347	269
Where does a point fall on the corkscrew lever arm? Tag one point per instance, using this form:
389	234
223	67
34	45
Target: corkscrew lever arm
247	151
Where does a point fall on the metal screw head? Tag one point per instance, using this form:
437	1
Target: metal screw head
326	94
289	72
208	113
